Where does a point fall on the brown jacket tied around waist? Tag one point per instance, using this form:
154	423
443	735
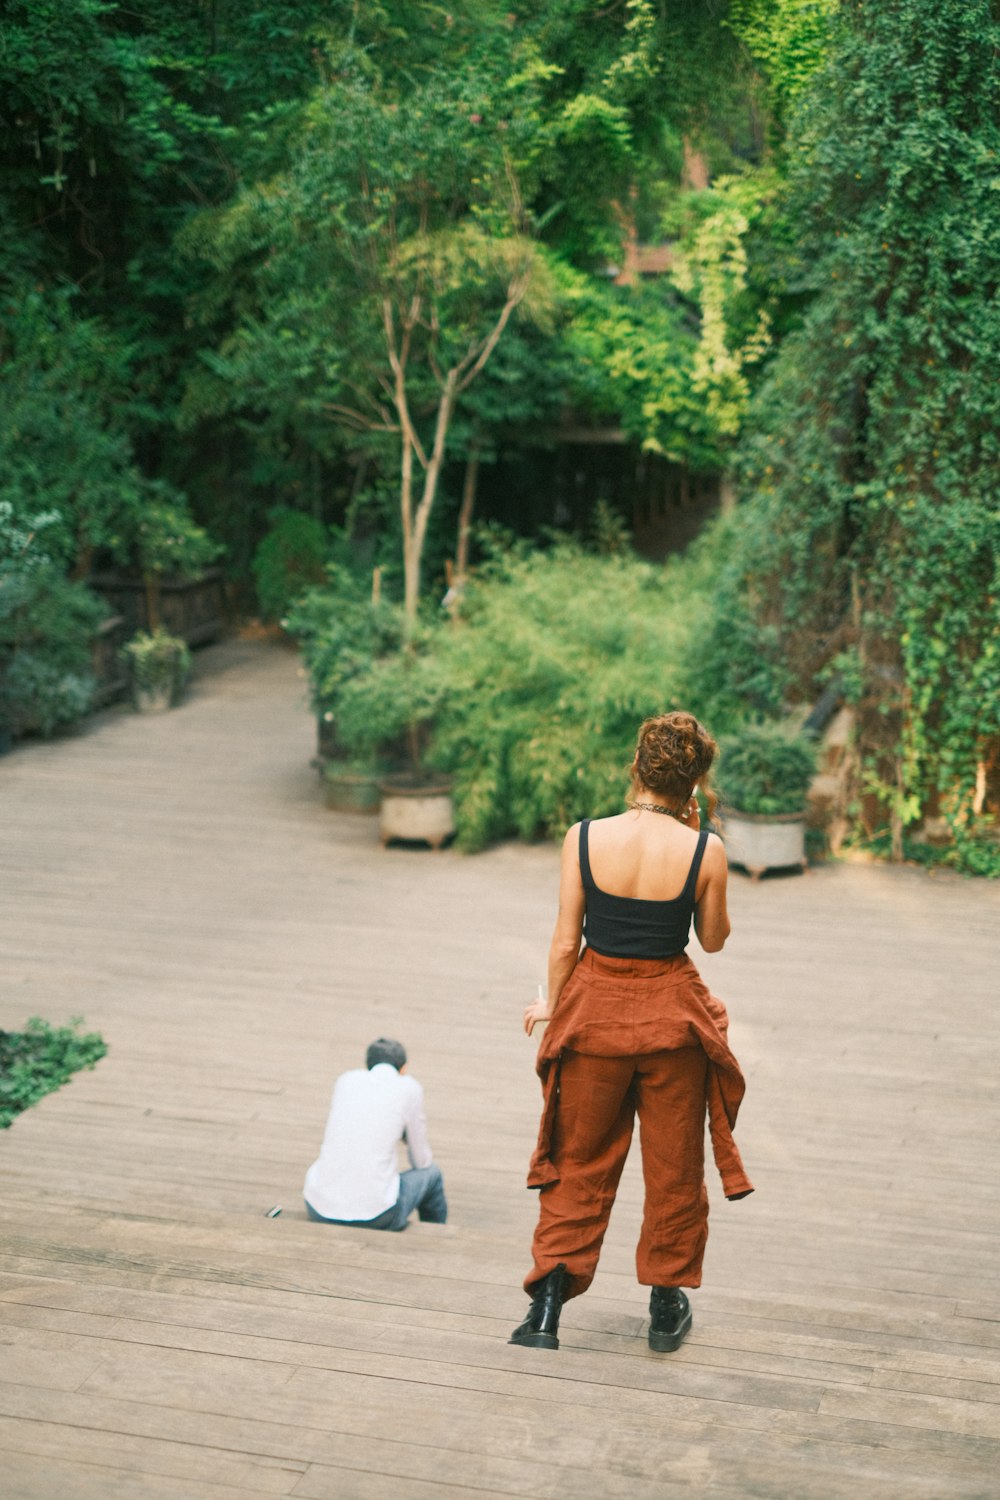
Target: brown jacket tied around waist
620	1007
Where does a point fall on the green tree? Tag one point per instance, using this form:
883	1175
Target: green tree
387	262
872	525
64	447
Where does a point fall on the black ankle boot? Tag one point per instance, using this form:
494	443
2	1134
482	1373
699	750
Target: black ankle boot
540	1327
669	1318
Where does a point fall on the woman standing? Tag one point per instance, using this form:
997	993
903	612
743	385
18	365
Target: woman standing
633	1030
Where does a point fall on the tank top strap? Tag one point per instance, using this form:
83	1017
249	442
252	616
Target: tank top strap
587	877
691	883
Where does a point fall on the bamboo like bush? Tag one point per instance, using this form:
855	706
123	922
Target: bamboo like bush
542	684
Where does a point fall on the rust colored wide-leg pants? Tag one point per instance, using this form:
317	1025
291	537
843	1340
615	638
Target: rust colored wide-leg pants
599	1098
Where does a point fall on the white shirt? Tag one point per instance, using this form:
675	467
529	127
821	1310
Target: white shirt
372	1110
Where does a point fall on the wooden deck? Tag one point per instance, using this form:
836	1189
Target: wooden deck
177	881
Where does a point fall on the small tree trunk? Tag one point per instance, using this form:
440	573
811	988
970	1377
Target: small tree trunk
465	514
695	172
83	561
152	584
411	561
415	535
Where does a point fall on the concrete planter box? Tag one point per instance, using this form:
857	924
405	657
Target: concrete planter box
416	809
765	841
351	789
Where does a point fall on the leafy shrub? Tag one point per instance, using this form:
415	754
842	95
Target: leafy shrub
542	684
47	624
167	540
158	660
39	1059
36	694
390	707
977	853
292	556
342	631
766	768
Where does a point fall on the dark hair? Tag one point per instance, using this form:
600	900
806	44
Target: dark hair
674	753
386	1051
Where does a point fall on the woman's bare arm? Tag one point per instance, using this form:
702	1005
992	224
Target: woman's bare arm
564	950
711	918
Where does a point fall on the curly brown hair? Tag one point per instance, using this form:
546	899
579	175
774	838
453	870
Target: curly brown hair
673	754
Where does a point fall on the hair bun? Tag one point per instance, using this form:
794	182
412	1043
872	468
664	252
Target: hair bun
673	753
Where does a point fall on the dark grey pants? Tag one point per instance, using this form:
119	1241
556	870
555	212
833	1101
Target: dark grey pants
421	1188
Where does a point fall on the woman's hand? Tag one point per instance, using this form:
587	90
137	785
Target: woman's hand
690	816
536	1013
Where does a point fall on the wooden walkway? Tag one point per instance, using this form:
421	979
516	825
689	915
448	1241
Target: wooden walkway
176	881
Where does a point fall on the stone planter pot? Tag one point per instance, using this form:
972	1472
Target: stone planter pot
350	788
416	809
154	691
765	841
155	699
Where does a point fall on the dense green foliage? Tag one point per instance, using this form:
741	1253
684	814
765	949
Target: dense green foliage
292	276
36	1061
46	625
870	461
532	695
765	769
558	658
290	558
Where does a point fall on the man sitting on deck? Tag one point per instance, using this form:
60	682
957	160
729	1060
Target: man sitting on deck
355	1179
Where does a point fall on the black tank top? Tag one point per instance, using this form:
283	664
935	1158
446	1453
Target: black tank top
628	927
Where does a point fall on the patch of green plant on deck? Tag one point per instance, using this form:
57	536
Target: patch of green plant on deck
36	1061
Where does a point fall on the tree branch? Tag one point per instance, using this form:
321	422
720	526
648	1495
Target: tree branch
468	368
358	420
397	359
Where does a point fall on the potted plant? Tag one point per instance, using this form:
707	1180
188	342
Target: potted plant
158	665
390	709
342	627
353	783
375	690
764	775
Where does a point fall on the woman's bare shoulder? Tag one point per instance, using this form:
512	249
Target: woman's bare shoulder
715	849
613	820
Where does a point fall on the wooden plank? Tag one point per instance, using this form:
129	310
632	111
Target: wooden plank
468	1362
150	1456
964	1417
362	1485
562	1433
987	1392
57	1363
301	1338
27	1476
